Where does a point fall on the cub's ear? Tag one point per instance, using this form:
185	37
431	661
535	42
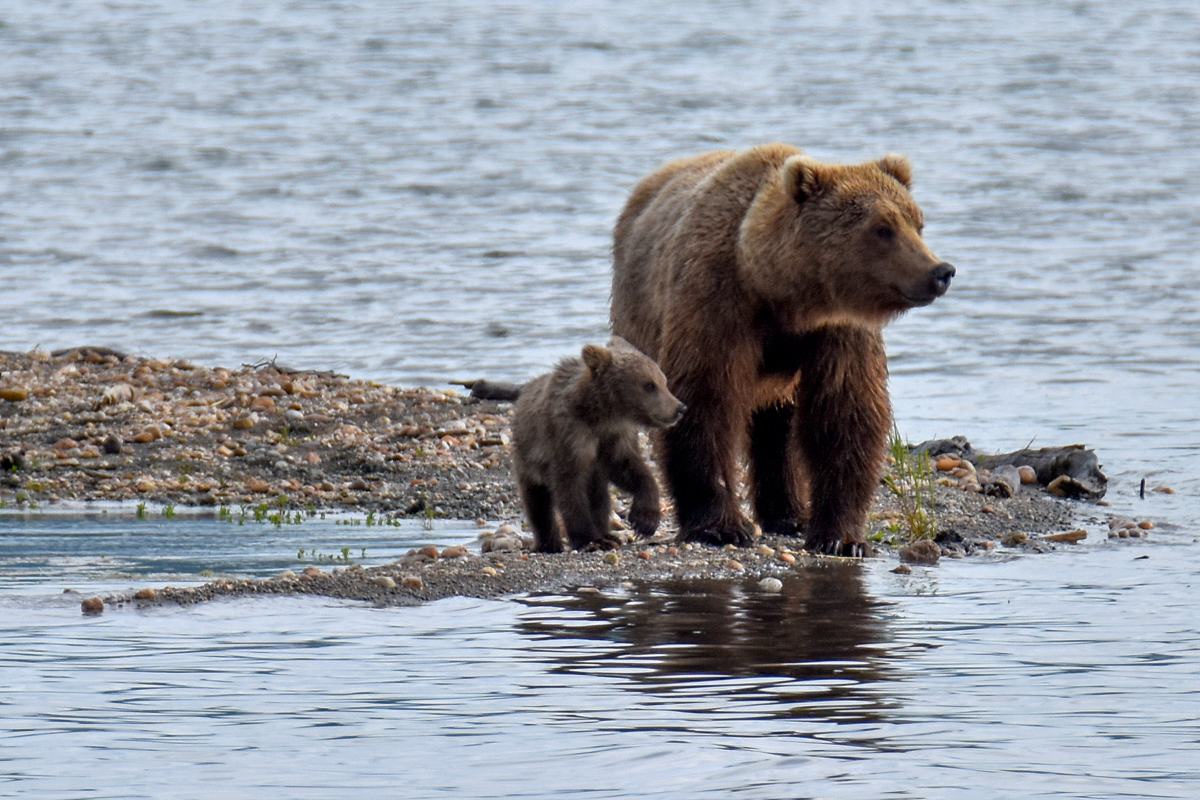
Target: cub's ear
803	177
898	167
596	357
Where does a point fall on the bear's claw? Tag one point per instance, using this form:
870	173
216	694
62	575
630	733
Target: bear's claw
736	535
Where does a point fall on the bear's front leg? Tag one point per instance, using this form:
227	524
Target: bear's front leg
845	417
698	455
629	472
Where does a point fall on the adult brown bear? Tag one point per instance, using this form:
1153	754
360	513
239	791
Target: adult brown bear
760	282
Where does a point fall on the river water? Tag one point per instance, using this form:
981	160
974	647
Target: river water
417	193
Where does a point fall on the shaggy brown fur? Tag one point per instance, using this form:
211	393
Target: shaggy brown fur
575	431
760	281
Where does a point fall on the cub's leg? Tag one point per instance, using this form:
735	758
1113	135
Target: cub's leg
539	509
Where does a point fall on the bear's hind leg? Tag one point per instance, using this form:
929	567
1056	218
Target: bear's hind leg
539	509
845	415
775	472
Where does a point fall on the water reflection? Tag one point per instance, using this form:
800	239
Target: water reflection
814	650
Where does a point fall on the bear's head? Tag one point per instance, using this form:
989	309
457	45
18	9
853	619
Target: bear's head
833	243
630	386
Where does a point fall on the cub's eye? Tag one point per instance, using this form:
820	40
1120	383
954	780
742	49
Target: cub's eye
885	233
649	387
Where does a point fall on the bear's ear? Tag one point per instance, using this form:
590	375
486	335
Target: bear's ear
898	167
618	343
596	357
802	177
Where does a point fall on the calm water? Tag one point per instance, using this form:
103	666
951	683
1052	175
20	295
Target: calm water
421	192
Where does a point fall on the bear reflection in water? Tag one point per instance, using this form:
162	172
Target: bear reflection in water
822	627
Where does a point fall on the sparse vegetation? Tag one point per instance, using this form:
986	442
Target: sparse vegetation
910	479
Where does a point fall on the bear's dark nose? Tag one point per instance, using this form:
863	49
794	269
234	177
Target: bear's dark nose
941	276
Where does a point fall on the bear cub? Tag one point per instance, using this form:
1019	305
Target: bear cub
575	432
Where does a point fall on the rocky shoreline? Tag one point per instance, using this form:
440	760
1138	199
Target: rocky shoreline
90	424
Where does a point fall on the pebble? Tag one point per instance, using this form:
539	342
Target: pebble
312	572
455	551
1014	538
611	557
430	551
902	569
922	551
111	444
384	582
945	463
14	394
787	558
1028	474
765	550
489	571
645	554
287	574
92	606
1069	537
412	583
734	565
145	594
771	585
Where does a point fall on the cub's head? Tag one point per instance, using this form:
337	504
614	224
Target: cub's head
841	241
630	385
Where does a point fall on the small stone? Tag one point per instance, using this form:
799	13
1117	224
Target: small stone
263	403
611	557
313	458
384	582
945	463
14	394
455	551
771	585
588	590
489	571
145	437
787	558
245	422
1014	538
145	484
1028	474
312	572
89	452
922	551
430	551
644	554
111	444
92	606
1069	537
734	565
765	550
145	594
1163	490
287	574
1146	525
902	569
257	485
412	582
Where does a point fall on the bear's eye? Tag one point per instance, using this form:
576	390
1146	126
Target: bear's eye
885	233
650	387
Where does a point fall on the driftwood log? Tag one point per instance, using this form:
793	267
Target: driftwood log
1070	471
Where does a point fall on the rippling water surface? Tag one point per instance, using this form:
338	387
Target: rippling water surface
421	192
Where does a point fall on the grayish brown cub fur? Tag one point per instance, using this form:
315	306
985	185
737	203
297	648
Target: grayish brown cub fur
575	432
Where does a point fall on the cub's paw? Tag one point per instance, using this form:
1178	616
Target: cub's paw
644	520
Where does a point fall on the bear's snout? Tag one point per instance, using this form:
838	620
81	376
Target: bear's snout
939	279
